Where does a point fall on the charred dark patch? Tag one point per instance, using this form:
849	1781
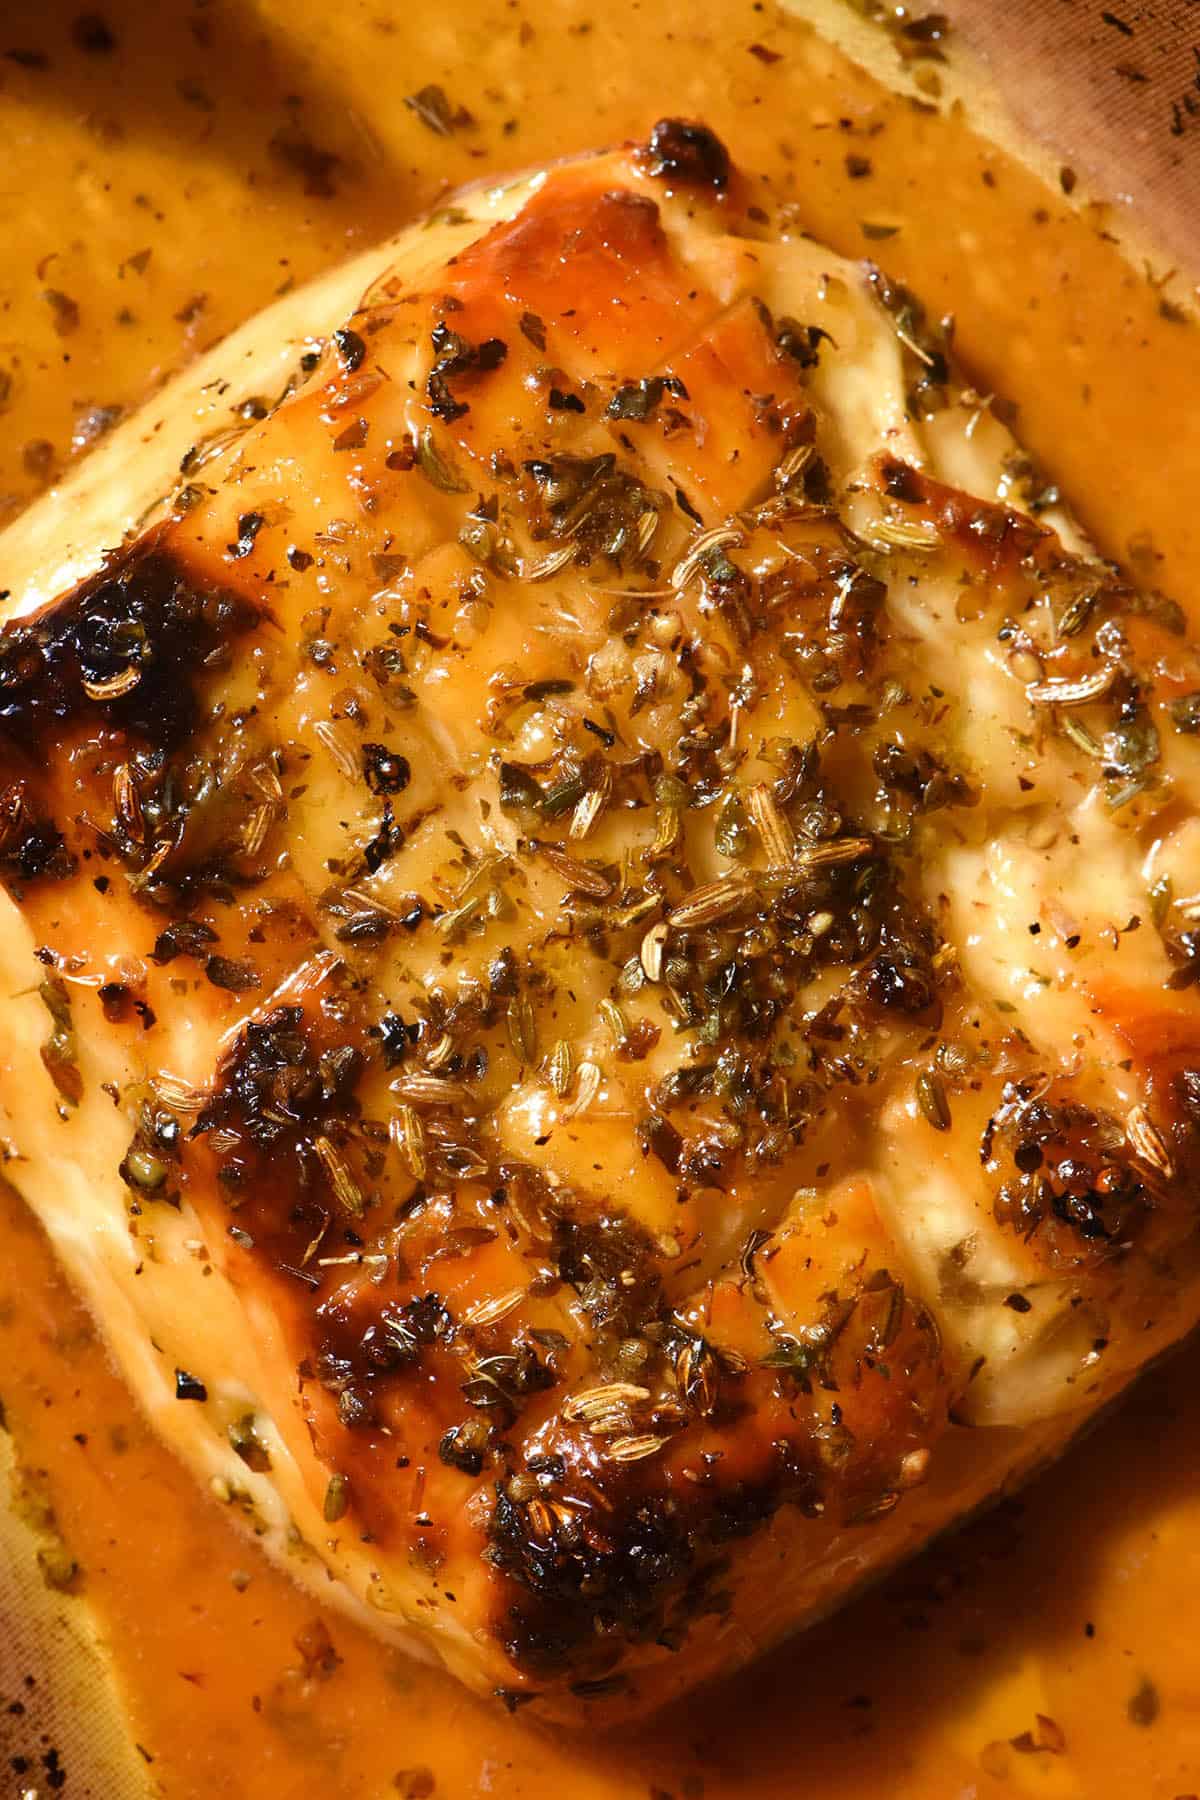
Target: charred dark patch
612	1265
369	1349
592	1581
276	1082
31	848
684	151
1070	1176
284	1131
127	648
578	1580
589	1580
604	1553
357	1358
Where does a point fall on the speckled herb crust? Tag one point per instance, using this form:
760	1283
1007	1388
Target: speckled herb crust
551	838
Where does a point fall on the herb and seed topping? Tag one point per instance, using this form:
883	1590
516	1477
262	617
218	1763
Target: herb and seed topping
634	910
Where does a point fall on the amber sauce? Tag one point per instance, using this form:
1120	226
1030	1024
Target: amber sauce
245	147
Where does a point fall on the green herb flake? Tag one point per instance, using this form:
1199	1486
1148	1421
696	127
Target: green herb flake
337	1499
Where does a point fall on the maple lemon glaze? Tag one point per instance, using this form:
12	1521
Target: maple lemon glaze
712	1270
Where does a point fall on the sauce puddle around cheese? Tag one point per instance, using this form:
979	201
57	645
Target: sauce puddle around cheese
160	188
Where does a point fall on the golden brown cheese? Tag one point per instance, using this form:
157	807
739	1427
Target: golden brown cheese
612	908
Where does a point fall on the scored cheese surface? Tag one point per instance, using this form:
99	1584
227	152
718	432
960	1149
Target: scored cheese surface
599	936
